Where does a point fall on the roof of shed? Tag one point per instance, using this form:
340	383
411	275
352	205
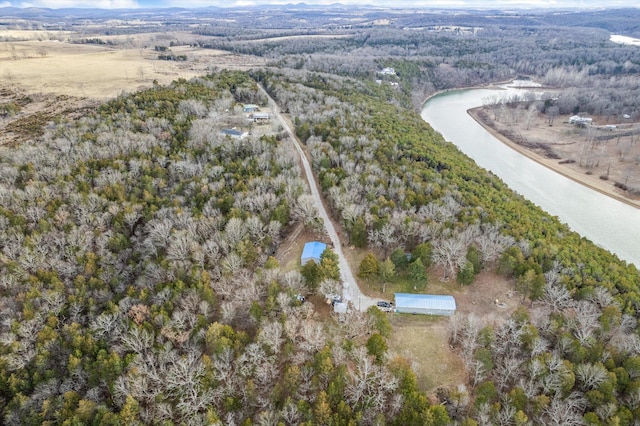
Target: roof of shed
233	132
425	301
313	249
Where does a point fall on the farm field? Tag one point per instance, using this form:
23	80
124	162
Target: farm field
102	71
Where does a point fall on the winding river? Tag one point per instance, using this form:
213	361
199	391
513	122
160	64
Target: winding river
607	222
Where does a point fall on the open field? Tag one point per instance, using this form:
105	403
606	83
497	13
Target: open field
46	76
102	72
601	158
424	340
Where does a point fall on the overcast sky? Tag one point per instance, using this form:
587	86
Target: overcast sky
114	4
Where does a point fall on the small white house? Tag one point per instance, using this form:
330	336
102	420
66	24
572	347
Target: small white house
259	117
250	108
580	121
387	71
312	252
428	304
340	307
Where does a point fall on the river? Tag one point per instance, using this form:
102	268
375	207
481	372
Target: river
607	222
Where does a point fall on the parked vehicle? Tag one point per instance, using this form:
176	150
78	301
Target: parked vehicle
385	306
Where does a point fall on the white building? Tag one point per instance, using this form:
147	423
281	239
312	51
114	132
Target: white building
428	304
580	121
387	71
234	133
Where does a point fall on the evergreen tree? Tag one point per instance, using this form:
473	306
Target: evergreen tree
369	266
358	234
329	265
473	256
466	274
312	275
399	259
422	252
377	347
418	274
387	272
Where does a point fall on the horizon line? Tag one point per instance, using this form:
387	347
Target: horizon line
517	6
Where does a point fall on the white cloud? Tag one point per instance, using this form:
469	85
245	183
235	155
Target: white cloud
5	4
99	4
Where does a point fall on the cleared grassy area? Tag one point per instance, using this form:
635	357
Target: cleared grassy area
43	63
424	341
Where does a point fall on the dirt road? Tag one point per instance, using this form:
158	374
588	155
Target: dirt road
350	291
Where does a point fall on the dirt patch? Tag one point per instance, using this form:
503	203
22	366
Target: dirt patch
31	113
320	306
603	155
490	296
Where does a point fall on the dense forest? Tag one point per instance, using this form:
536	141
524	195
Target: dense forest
138	275
396	185
137	282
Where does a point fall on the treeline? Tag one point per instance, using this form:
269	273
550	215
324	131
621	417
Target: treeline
138	286
94	40
569	57
395	184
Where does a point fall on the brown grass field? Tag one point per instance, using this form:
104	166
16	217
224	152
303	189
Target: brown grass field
102	72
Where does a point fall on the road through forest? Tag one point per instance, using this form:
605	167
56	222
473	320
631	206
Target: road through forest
350	291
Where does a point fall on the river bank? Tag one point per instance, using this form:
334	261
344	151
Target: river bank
609	223
569	170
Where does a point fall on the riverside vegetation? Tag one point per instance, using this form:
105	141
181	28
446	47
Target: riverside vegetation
137	277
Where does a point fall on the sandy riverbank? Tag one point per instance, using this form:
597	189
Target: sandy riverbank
570	171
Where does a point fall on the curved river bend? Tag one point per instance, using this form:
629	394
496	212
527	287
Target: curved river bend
607	222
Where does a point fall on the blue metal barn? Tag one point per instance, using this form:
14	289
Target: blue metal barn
312	251
428	304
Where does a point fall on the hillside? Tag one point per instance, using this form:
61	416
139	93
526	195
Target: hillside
150	264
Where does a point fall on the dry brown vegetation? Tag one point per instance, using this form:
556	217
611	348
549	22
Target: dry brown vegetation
46	75
424	339
101	72
602	158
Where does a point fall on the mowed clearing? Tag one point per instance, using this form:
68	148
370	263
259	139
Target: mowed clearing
424	340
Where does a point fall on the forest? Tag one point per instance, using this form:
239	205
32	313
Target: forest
138	283
564	357
138	277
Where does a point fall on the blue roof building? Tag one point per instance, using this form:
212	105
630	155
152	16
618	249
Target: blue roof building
428	304
312	251
234	133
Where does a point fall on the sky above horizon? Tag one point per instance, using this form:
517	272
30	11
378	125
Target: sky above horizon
502	4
